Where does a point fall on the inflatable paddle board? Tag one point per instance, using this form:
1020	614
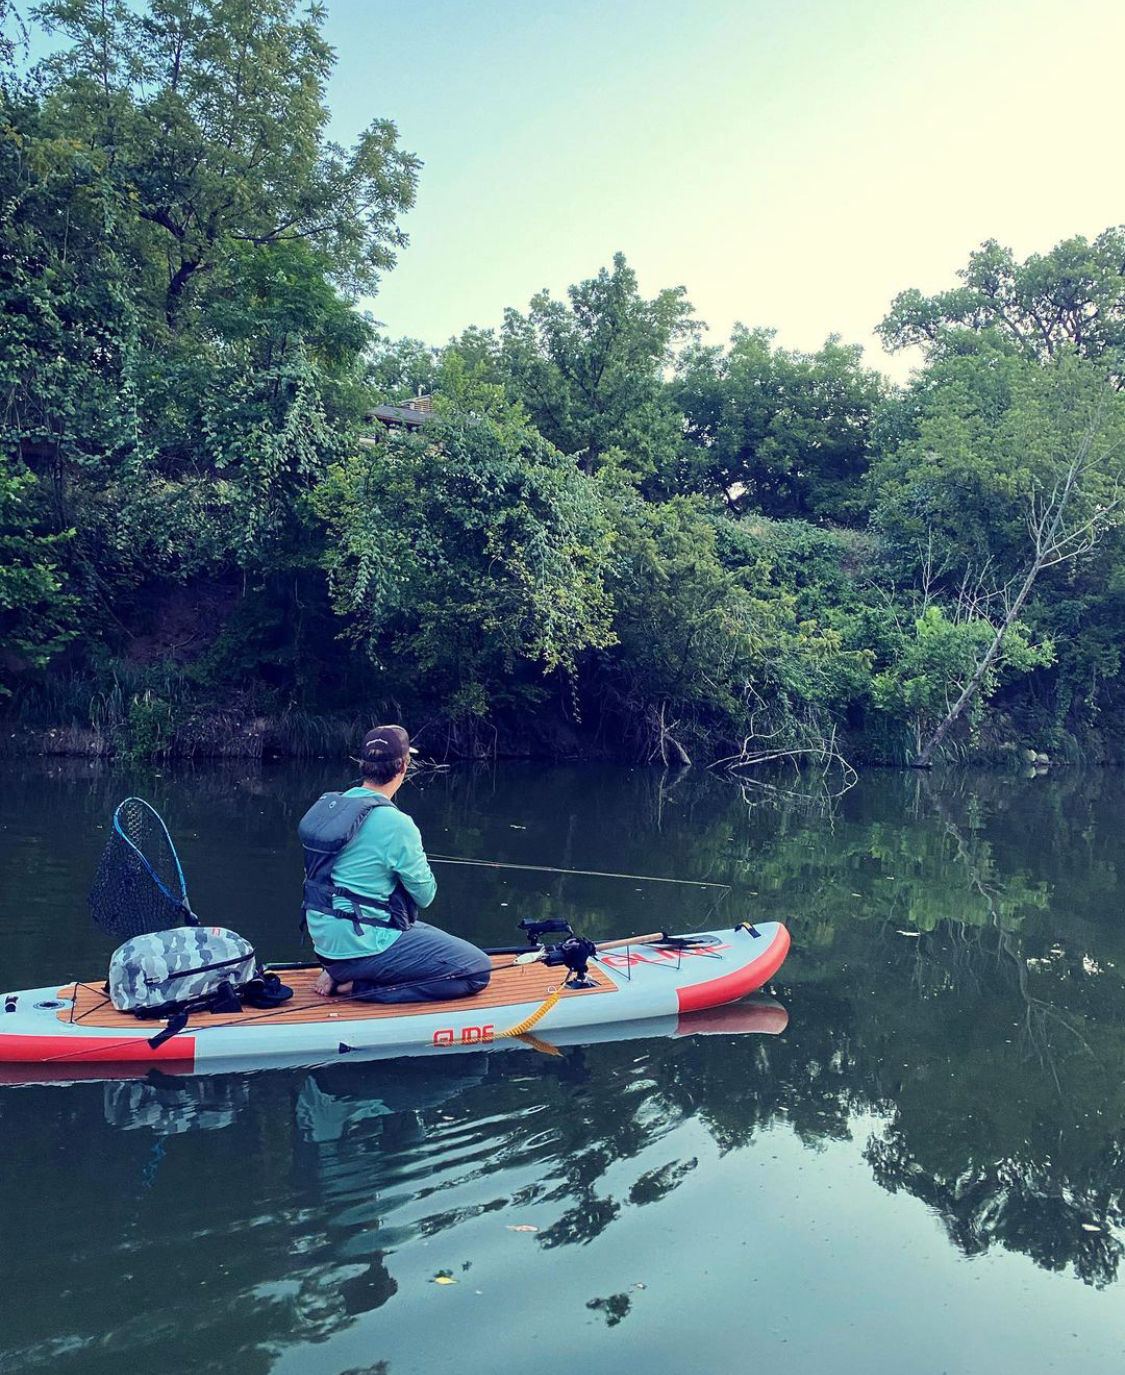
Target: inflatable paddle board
64	1028
757	1015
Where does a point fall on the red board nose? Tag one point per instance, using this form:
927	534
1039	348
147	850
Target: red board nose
731	986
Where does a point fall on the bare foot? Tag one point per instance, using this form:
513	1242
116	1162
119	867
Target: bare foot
325	987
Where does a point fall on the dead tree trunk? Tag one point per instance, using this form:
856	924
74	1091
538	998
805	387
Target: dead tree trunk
969	691
1053	541
666	743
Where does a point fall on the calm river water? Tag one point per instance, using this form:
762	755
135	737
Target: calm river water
924	1172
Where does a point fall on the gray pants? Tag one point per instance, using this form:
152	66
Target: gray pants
425	964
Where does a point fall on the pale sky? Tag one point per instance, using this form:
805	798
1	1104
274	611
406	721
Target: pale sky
793	164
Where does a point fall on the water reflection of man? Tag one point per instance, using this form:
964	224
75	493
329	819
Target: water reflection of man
366	876
336	1099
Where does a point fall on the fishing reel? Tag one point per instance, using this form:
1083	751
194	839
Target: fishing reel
575	952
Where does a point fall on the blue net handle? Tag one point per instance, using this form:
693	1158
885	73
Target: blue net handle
139	886
124	821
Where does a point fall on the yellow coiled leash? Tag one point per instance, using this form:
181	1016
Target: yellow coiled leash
592	950
522	1028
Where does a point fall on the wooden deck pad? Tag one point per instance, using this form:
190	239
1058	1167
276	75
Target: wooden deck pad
510	983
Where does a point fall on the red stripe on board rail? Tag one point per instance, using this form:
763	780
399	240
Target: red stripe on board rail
62	1050
731	986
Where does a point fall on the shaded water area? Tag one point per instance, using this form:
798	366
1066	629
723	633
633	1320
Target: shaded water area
924	1171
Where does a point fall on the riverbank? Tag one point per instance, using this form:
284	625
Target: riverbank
151	734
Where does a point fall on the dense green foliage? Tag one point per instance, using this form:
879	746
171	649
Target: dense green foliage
608	535
1068	299
463	556
782	432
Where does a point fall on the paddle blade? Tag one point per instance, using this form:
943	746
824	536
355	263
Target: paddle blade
139	886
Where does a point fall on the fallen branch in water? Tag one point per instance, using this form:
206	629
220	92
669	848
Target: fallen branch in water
666	742
824	751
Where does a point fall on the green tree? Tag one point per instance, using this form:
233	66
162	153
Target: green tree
1070	298
1013	470
185	365
210	118
590	371
67	349
933	666
245	418
36	611
398	369
470	558
13	36
712	647
944	496
180	362
775	431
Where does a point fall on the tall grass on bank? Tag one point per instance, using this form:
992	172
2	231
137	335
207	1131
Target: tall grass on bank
143	716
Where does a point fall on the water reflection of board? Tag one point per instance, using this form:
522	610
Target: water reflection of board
75	1025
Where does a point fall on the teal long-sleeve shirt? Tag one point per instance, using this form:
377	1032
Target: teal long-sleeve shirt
387	848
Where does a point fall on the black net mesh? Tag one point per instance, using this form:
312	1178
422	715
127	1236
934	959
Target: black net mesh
139	886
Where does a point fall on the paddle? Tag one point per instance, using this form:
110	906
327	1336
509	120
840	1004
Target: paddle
651	938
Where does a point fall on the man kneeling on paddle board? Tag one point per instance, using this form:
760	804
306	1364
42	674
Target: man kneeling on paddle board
366	875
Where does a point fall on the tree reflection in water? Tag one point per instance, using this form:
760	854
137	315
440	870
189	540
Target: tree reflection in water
956	975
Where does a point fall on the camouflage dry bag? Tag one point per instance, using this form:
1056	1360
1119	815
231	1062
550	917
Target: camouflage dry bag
166	969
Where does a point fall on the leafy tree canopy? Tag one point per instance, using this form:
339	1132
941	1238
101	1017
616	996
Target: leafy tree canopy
1072	297
779	432
989	436
36	611
209	116
459	555
605	521
590	371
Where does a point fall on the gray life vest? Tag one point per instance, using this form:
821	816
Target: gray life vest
325	829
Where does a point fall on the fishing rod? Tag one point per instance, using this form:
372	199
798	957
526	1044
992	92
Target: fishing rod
588	873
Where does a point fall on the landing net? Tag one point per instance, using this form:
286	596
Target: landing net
139	886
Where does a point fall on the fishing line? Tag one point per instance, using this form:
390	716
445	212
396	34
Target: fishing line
587	873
